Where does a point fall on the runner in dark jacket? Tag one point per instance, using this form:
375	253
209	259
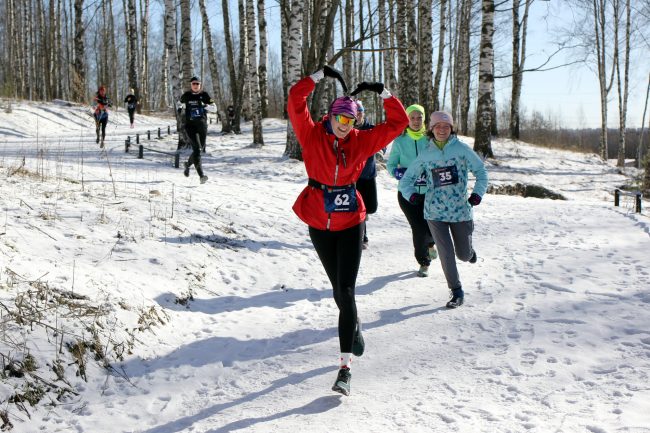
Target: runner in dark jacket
196	103
334	154
131	104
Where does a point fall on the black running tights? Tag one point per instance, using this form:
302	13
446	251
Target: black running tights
340	254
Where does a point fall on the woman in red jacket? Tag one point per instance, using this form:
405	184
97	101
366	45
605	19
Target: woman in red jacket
334	154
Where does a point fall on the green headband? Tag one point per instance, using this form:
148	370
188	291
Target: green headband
415	107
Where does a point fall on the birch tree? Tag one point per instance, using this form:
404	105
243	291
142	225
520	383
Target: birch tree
519	33
623	83
294	70
253	83
385	45
133	48
212	62
461	78
425	54
172	61
186	54
79	71
442	29
263	59
144	50
485	98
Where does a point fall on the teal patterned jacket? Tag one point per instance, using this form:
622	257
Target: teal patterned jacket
446	174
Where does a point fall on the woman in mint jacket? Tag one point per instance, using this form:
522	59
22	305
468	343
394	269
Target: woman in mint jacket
447	207
411	143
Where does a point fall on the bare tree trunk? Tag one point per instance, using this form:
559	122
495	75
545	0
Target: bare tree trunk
258	138
519	33
485	101
133	48
212	62
402	53
320	45
435	96
425	54
79	72
236	82
54	65
172	60
601	33
263	60
463	66
112	50
285	14
623	88
348	28
186	54
385	43
144	35
640	147
242	107
294	70
411	86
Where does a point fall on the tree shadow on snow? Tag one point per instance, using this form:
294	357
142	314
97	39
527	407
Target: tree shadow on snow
319	405
275	298
229	350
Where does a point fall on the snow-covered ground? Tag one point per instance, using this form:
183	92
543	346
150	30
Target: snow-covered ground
204	308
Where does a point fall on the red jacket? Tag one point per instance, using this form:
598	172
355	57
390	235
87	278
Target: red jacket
331	166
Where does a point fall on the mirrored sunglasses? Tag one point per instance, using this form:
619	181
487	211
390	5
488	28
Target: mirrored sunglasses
195	83
344	120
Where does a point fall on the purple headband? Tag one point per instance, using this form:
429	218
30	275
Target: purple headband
343	105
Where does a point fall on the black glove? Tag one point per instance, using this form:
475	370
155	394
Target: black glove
416	198
474	199
373	87
329	71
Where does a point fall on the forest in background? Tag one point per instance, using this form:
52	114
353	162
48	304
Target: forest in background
443	54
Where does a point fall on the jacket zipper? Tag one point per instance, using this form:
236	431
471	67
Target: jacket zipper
336	175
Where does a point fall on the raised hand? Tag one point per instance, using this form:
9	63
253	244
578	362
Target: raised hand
371	86
335	73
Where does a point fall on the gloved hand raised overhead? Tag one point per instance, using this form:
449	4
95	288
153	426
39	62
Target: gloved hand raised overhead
334	73
366	85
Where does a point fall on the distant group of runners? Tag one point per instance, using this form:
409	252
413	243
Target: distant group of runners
194	103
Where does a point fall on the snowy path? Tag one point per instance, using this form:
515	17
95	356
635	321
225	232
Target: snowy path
553	336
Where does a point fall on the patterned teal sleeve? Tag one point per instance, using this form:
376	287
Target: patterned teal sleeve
407	183
477	167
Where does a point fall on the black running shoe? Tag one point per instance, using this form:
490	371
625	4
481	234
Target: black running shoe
473	258
457	298
342	383
358	345
186	172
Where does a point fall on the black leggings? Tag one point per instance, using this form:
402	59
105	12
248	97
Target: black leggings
422	238
131	114
101	125
197	131
340	254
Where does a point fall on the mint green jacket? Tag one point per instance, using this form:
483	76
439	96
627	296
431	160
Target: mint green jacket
404	151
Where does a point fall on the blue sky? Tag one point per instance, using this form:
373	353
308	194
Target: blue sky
572	92
569	94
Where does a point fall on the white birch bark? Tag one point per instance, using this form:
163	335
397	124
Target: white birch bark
258	139
485	98
294	69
